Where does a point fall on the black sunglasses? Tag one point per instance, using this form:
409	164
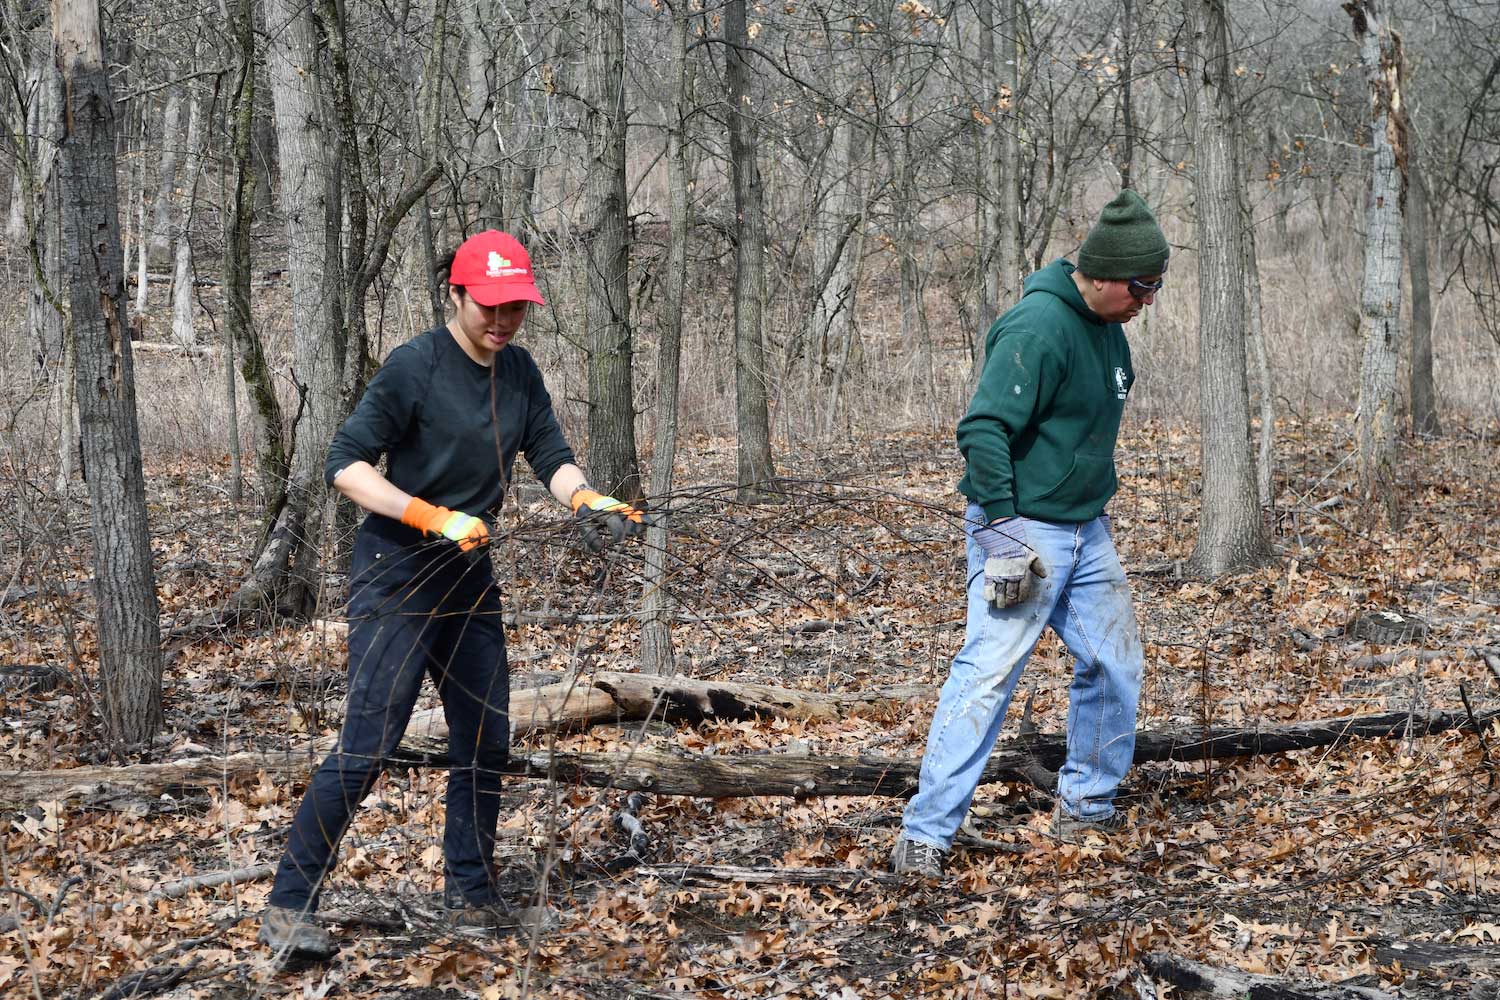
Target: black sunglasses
1141	289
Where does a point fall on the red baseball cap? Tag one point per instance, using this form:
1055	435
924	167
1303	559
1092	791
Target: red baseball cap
494	267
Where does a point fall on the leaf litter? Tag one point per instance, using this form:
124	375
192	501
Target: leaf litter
1311	865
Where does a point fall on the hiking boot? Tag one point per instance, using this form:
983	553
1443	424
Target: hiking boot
1070	828
499	917
291	933
912	857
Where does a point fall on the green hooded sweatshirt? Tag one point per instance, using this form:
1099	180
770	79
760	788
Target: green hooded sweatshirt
1039	437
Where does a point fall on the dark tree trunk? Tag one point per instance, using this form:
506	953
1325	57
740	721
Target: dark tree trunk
244	194
613	464
656	627
41	211
1230	533
1424	404
264	158
1126	159
130	657
755	468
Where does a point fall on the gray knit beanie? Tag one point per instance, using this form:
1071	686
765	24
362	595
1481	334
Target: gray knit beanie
1125	243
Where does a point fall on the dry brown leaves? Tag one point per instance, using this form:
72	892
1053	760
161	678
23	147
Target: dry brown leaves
1296	865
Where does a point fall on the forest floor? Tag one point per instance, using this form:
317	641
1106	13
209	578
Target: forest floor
1374	864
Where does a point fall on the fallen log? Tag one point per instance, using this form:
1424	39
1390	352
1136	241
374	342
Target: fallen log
1436	955
612	696
669	772
1197	979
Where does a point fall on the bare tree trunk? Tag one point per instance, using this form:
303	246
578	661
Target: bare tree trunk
840	222
989	177
1002	266
264	159
239	328
613	463
67	417
656	628
849	346
159	244
755	468
1424	403
487	55
526	114
830	321
130	657
143	250
1126	161
1380	299
283	575
1230	531
182	275
41	212
1259	355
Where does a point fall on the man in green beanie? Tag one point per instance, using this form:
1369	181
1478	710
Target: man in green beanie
1038	442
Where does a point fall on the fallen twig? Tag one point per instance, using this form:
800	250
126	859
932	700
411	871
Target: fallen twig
846	878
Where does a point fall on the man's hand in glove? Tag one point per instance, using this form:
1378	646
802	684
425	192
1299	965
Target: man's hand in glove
1008	564
469	532
604	520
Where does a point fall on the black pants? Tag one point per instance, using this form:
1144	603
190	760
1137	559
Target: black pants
416	607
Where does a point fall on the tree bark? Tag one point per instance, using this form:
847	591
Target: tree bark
159	242
284	574
1380	298
1424	400
916	333
1230	532
238	324
613	464
1126	158
182	273
264	158
611	696
755	469
38	207
486	55
838	214
672	772
1002	259
1259	355
130	657
1198	978
656	626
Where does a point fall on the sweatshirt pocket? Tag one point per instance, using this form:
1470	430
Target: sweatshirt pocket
1090	480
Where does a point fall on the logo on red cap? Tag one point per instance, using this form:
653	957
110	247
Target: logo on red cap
494	268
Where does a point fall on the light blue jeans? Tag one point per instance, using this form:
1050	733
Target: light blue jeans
1086	600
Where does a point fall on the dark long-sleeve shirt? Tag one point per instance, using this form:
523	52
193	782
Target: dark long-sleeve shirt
452	428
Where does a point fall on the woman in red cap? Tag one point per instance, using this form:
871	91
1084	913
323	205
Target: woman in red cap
449	410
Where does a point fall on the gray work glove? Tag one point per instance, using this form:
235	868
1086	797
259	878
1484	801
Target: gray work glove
1109	527
1008	564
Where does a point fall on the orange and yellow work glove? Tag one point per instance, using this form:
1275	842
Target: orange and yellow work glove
604	520
469	532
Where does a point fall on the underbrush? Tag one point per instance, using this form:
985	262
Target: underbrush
1312	864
